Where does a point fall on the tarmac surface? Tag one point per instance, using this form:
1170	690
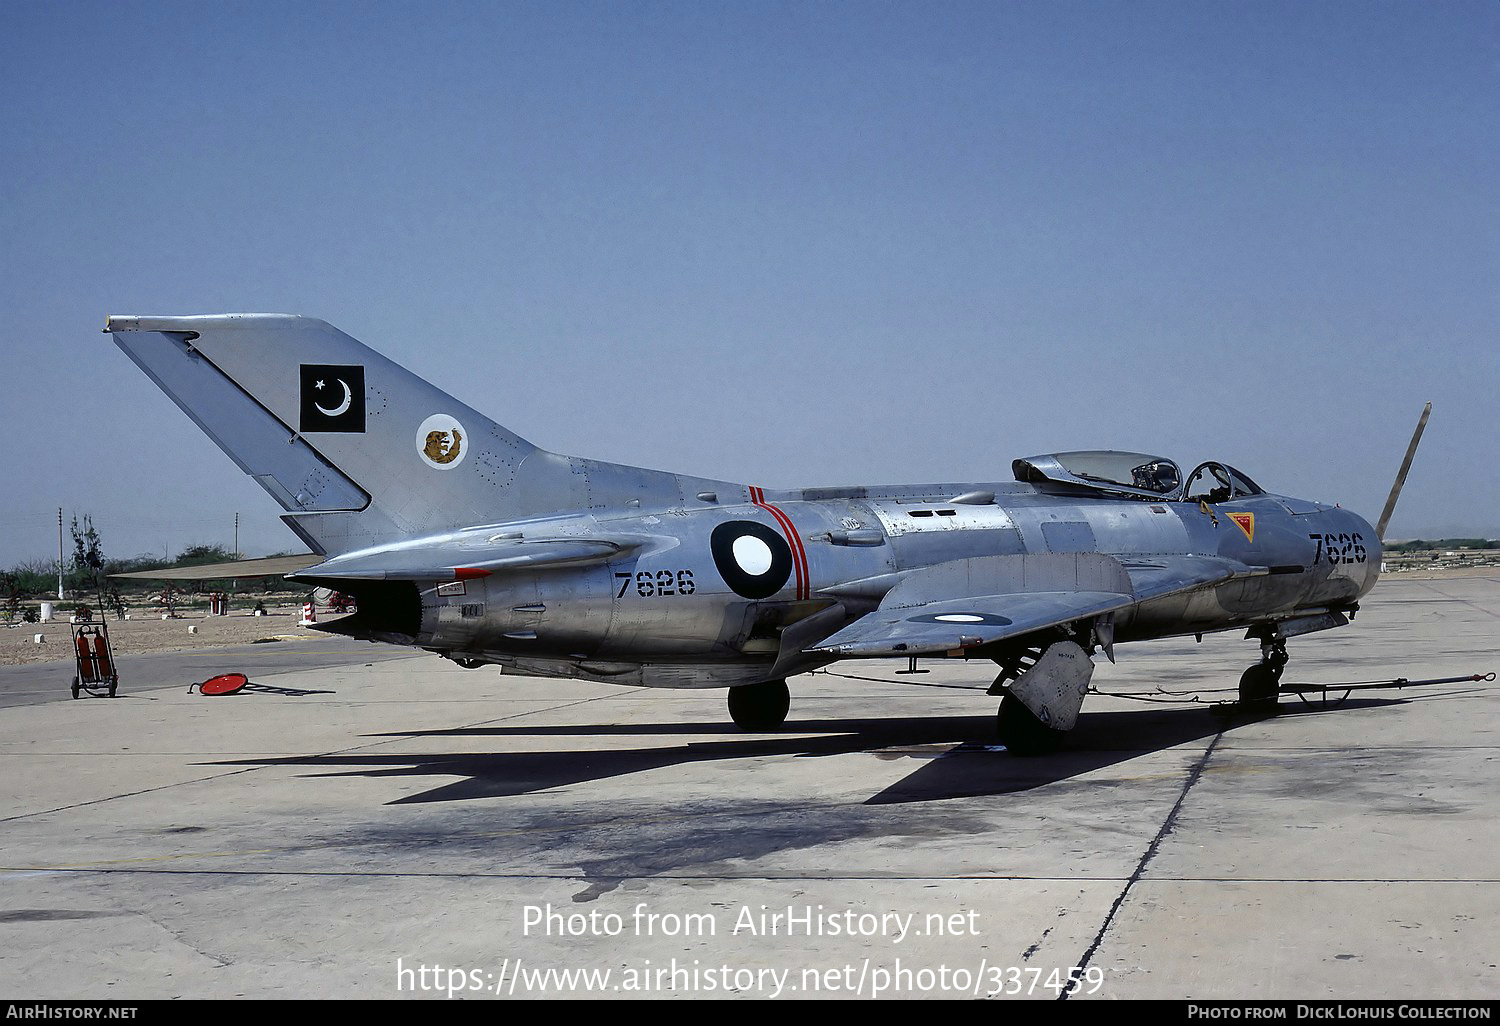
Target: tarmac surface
375	824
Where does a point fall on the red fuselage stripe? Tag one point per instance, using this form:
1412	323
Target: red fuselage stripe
799	554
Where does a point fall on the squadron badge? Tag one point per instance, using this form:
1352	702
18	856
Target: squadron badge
442	442
1246	523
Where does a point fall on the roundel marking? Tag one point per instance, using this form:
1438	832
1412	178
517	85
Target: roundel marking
442	442
754	560
990	618
752	555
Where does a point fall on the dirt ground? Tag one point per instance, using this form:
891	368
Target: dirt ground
146	631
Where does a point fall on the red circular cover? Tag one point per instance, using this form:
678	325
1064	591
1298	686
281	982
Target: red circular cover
224	684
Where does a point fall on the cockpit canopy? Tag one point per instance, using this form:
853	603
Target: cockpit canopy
1135	475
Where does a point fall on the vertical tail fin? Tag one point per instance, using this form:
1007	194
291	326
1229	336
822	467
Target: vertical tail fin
357	449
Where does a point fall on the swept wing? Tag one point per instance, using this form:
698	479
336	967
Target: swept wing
969	602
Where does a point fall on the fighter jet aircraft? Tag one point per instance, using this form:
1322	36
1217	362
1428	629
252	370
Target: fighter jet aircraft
457	536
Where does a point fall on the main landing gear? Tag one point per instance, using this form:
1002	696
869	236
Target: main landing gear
1041	691
1022	733
759	707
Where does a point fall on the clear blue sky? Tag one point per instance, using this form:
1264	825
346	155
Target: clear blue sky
792	244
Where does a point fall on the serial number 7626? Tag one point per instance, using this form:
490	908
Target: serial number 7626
1339	548
649	584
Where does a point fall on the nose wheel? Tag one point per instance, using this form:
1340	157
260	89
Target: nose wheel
759	707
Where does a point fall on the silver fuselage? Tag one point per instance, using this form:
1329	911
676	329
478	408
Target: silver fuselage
666	616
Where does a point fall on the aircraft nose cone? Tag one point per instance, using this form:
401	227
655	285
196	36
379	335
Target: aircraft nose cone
1367	538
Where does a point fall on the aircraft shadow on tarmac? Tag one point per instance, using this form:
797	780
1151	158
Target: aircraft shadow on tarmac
953	754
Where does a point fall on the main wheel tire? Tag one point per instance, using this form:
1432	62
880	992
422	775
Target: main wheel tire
1260	686
1022	733
759	707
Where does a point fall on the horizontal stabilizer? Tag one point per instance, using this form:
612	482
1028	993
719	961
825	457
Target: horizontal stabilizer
269	566
448	561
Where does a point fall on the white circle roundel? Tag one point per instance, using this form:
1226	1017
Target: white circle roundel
752	555
958	618
442	442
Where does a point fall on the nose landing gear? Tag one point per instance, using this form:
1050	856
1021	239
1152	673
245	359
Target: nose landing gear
1260	685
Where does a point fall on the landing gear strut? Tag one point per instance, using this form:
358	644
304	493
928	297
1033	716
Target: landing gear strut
1260	685
759	707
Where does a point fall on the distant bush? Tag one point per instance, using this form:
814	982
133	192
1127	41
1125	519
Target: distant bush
38	578
1422	544
199	555
10	598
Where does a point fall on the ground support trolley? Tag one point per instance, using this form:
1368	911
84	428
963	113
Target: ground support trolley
94	659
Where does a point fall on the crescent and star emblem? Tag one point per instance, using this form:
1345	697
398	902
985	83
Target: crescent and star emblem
320	382
342	407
